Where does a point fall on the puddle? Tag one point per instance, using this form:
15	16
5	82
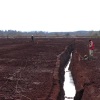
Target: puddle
37	83
69	87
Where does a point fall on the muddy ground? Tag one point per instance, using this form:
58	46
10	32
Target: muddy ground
86	73
28	70
35	70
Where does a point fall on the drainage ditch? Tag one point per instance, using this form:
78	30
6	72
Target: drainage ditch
69	87
64	58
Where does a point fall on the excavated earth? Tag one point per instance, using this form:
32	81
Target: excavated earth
34	70
86	73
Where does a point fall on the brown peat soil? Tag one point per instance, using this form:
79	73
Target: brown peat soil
35	70
28	69
86	73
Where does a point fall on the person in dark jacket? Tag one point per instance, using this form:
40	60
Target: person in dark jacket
32	38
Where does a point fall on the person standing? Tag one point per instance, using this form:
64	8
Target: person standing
91	50
32	38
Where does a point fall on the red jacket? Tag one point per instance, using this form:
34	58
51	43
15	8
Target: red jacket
91	45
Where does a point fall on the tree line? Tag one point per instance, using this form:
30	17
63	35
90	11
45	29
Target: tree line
14	33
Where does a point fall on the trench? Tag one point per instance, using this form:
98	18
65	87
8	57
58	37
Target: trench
69	87
65	60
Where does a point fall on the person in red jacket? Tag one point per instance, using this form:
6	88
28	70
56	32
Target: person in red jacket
91	49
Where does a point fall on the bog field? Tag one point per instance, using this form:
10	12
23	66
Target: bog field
27	68
34	70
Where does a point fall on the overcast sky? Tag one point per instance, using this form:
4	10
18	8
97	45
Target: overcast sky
50	15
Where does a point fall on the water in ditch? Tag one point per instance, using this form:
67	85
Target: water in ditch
69	87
